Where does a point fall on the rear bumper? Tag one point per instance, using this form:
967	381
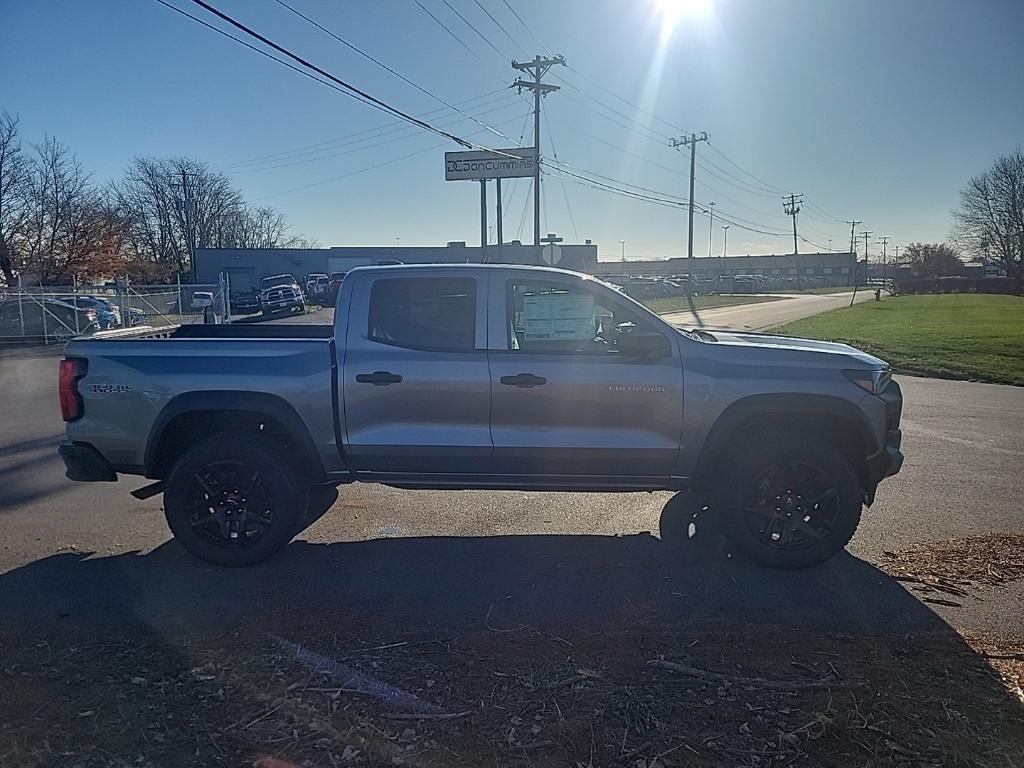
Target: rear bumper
84	463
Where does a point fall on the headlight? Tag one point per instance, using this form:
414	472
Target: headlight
874	381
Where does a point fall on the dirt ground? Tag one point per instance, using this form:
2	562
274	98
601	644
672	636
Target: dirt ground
636	690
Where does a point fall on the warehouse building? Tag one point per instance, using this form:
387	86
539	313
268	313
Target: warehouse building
244	267
827	268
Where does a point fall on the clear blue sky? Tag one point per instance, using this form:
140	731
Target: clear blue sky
876	109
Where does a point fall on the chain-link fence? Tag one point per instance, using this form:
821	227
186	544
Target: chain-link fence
53	314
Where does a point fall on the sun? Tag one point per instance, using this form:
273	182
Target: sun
674	11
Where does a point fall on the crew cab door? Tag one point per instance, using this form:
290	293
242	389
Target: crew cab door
415	383
566	398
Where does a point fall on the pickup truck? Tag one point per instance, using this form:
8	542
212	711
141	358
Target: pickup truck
482	376
280	292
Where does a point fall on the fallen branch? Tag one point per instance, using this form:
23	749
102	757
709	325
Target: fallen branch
426	715
774	685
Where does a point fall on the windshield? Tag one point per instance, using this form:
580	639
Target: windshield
512	383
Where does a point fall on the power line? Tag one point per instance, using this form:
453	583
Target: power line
405	133
384	66
480	34
626	101
444	26
768	187
650	135
347	87
350	138
500	26
565	194
393	160
527	28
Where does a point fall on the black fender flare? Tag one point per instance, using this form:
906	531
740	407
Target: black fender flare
794	405
261	403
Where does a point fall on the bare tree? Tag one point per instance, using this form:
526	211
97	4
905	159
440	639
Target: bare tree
63	230
990	219
15	186
169	202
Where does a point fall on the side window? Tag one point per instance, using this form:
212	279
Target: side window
430	313
563	319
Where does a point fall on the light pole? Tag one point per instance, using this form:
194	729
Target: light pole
397	241
623	244
725	252
711	226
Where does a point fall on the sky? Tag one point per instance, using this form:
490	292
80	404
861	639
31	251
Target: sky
878	110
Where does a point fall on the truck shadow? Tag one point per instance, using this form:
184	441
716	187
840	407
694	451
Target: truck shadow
555	580
598	601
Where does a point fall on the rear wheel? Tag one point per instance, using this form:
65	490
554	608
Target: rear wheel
235	500
791	501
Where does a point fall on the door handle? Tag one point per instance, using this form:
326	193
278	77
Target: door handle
523	380
378	378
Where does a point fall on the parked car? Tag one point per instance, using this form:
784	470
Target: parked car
314	286
333	285
245	302
108	315
280	293
47	318
484	376
202	299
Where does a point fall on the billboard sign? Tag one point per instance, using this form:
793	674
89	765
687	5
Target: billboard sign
500	164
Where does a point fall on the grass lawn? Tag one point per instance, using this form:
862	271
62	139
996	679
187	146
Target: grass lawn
665	304
971	337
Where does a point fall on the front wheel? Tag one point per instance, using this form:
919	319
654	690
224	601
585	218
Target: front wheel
791	501
235	500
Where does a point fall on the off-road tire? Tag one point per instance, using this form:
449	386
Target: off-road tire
749	481
279	497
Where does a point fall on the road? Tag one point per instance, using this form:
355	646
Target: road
756	317
93	551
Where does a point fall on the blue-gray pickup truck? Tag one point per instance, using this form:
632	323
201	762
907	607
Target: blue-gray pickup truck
482	376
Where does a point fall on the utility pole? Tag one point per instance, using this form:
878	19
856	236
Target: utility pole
711	226
792	208
497	214
623	244
865	234
725	252
691	142
895	263
853	252
885	261
538	68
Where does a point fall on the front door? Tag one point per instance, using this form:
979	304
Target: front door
415	381
565	400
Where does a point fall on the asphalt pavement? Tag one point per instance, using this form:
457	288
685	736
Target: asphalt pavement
89	551
757	317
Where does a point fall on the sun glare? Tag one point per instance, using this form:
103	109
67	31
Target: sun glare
674	11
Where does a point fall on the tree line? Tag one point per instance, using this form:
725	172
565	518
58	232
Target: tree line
58	225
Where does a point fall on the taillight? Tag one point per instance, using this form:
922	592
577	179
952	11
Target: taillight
71	370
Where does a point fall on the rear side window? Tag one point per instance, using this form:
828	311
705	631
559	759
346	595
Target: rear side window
432	313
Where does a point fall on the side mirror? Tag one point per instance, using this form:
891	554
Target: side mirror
643	346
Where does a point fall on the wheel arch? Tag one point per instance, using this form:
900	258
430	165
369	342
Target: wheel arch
837	421
193	416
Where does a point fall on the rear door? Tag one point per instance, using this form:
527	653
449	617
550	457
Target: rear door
416	388
565	401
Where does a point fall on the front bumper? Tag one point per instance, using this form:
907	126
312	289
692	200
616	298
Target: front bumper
888	461
84	463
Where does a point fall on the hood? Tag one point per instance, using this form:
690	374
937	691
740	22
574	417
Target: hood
779	349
